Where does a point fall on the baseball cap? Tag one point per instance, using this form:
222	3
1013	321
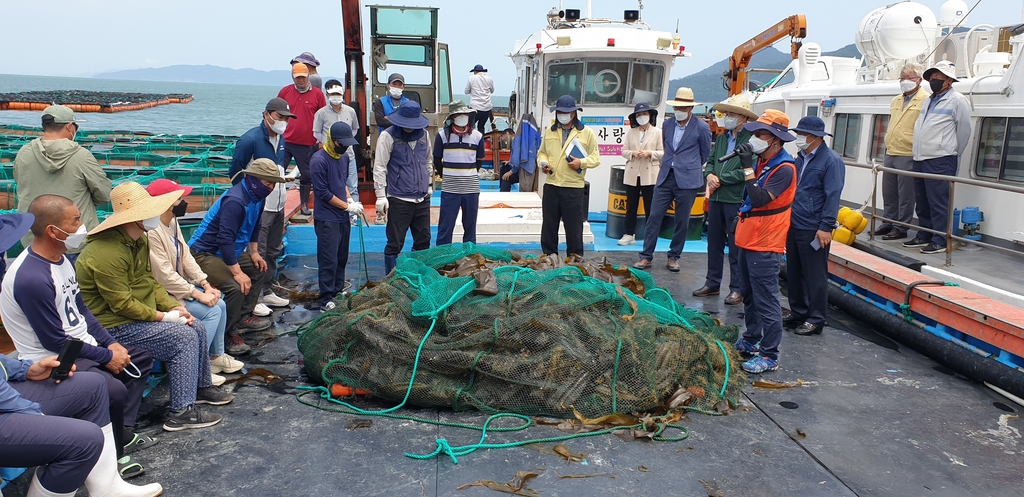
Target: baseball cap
396	77
60	114
163	186
278	104
299	69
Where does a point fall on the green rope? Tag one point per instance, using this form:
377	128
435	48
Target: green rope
725	383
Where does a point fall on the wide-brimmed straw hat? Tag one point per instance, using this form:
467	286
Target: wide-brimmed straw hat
945	67
684	98
13	227
773	121
737	104
132	203
409	115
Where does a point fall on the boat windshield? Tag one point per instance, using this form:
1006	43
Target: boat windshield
606	82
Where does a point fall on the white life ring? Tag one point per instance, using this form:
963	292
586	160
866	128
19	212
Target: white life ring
600	76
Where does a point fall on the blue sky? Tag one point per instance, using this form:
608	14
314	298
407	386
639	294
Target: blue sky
86	37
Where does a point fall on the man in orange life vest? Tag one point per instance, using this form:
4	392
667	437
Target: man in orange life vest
761	236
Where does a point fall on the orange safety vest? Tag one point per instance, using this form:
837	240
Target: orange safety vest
764	229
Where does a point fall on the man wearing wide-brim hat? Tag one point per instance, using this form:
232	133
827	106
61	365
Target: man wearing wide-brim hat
724	193
941	134
479	87
402	170
687	144
760	236
226	247
822	175
116	278
567	150
458	153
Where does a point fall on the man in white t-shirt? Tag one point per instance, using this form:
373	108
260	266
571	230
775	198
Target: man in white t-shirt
479	88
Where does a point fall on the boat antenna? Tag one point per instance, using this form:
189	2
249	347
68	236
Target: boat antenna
640	10
962	19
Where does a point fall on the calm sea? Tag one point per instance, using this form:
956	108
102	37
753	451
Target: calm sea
217	108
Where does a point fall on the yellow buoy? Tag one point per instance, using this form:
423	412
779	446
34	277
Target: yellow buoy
863	224
843	235
852	220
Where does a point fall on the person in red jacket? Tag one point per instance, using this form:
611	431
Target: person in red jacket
303	100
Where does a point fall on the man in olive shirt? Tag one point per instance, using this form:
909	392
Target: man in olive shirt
898	191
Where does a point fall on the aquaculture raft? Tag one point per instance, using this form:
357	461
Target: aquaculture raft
89	101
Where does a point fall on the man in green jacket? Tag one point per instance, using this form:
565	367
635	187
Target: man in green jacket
117	284
725	193
54	164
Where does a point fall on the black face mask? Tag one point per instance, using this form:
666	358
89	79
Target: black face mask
180	209
936	84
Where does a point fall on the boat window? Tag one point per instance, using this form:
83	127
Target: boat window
403	21
565	79
646	83
785	78
444	77
812	110
1001	149
879	125
847	135
606	82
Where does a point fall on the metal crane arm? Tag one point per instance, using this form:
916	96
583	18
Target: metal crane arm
794	26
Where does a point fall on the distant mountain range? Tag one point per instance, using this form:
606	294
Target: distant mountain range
202	74
707	84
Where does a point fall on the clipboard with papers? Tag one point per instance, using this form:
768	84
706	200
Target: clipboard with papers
577	150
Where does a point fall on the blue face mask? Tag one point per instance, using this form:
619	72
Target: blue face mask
256	188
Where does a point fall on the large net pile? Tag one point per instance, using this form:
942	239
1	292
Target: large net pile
530	336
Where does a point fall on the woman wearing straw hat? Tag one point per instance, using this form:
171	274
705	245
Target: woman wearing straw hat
116	279
643	151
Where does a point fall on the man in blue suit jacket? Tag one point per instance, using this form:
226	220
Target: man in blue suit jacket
687	142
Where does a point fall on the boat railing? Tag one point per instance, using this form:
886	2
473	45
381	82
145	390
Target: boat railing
877	168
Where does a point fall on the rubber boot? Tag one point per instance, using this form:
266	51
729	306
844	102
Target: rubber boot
35	489
304	199
390	261
104	481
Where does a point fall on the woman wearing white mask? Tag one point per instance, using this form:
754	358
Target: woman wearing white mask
643	150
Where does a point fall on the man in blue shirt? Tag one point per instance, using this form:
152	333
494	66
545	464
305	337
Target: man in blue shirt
687	143
821	175
330	171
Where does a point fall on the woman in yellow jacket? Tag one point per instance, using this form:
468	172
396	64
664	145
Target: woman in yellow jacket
566	152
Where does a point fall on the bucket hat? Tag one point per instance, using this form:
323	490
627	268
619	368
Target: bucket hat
459	107
264	169
132	203
643	107
409	115
306	58
773	121
684	98
945	67
565	103
478	68
738	104
13	227
812	125
342	132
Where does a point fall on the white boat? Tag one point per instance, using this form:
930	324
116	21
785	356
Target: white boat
852	96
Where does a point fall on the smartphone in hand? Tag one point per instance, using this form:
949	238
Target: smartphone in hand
68	355
816	244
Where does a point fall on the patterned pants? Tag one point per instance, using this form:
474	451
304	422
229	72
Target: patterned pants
182	347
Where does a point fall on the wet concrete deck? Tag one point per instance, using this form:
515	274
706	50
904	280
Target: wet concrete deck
872	418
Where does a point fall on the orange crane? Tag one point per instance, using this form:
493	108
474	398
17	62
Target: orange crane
735	79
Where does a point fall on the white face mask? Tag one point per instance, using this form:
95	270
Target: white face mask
731	122
907	86
151	223
801	142
682	115
278	127
758	146
395	92
564	119
336	100
76	239
461	121
643	119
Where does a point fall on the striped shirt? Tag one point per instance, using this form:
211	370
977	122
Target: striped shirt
458	156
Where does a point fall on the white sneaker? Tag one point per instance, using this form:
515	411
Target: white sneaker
627	240
225	364
261	310
327	307
217	379
271	299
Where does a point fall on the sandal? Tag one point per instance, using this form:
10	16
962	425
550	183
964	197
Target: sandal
138	443
129	469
